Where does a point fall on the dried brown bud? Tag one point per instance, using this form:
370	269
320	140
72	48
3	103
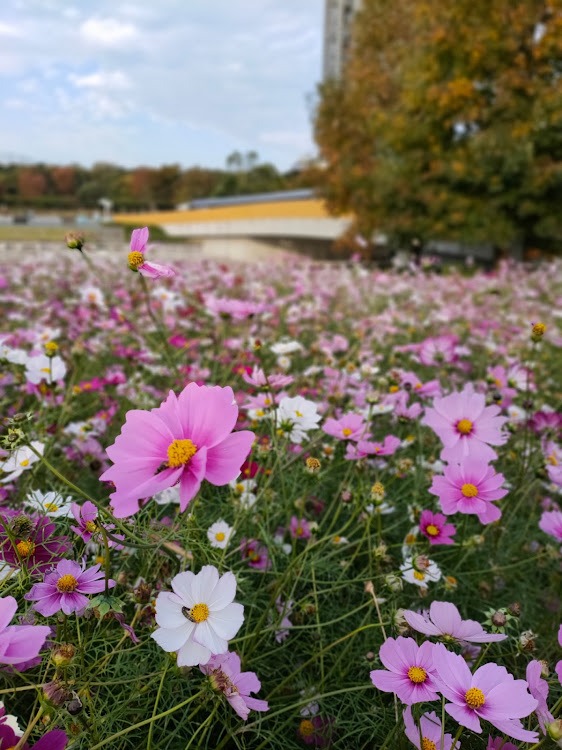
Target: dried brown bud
499	619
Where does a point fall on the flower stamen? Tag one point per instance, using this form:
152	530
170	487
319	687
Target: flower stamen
66	584
417	675
464	426
474	698
180	452
469	490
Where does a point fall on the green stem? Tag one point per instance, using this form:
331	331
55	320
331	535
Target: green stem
156	702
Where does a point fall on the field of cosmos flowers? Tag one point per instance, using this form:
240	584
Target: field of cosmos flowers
278	505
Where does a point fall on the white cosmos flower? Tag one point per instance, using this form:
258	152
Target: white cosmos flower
11	721
419	577
199	617
295	416
51	504
46	368
20	460
219	534
169	495
286	347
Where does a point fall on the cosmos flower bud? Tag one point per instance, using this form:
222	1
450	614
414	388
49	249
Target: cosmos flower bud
74	241
22	526
51	348
554	730
63	654
499	619
56	692
313	465
538	331
394	582
514	609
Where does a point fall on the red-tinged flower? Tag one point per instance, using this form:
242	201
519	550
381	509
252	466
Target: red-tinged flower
137	261
435	528
37	549
187	439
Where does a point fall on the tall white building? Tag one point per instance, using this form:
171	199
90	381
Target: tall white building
338	20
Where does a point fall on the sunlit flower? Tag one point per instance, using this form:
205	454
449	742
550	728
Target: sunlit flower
137	261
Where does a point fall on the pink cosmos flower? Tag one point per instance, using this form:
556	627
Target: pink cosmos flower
255	554
186	439
56	739
496	744
139	238
349	427
236	686
551	523
438	350
85	515
430	725
64	588
411	673
18	643
491	693
539	690
466	426
433	526
470	488
257	377
37	549
300	528
444	621
367	448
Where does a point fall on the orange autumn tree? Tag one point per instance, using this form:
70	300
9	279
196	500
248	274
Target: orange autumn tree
447	122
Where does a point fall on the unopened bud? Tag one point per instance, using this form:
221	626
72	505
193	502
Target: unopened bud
75	706
74	241
63	654
56	692
514	609
22	526
538	331
554	729
394	582
499	619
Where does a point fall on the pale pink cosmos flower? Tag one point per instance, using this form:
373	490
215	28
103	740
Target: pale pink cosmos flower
259	379
300	528
491	693
466	426
435	528
558	667
551	523
137	261
64	588
430	725
367	448
410	670
444	621
438	350
186	439
227	678
199	616
18	643
470	488
539	690
349	427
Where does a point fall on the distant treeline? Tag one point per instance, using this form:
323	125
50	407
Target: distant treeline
51	187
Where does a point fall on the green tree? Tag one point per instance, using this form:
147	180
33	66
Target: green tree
448	121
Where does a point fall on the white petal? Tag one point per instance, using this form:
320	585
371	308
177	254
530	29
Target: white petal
168	610
206	636
228	621
204	583
191	654
173	639
224	593
182	585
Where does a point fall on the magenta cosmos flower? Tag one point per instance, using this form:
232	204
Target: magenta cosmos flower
300	528
36	549
558	667
18	643
186	439
435	528
137	261
85	516
466	426
429	738
551	524
410	670
444	621
491	693
64	588
236	686
470	488
54	740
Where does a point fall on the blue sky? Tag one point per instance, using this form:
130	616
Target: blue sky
158	81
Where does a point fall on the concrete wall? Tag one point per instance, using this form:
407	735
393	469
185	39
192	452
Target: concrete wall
328	229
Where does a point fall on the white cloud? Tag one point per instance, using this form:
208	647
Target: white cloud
107	32
7	29
101	80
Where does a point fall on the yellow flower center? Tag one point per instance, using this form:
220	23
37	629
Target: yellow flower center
51	346
299	531
417	674
24	462
25	549
260	413
428	744
199	613
474	698
90	526
337	539
66	583
432	530
136	259
539	329
346	431
418	576
394	389
51	507
180	452
239	487
469	490
220	536
306	728
464	426
298	413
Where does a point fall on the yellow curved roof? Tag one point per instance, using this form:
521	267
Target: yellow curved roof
303	209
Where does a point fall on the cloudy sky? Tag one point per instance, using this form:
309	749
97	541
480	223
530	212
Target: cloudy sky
158	81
